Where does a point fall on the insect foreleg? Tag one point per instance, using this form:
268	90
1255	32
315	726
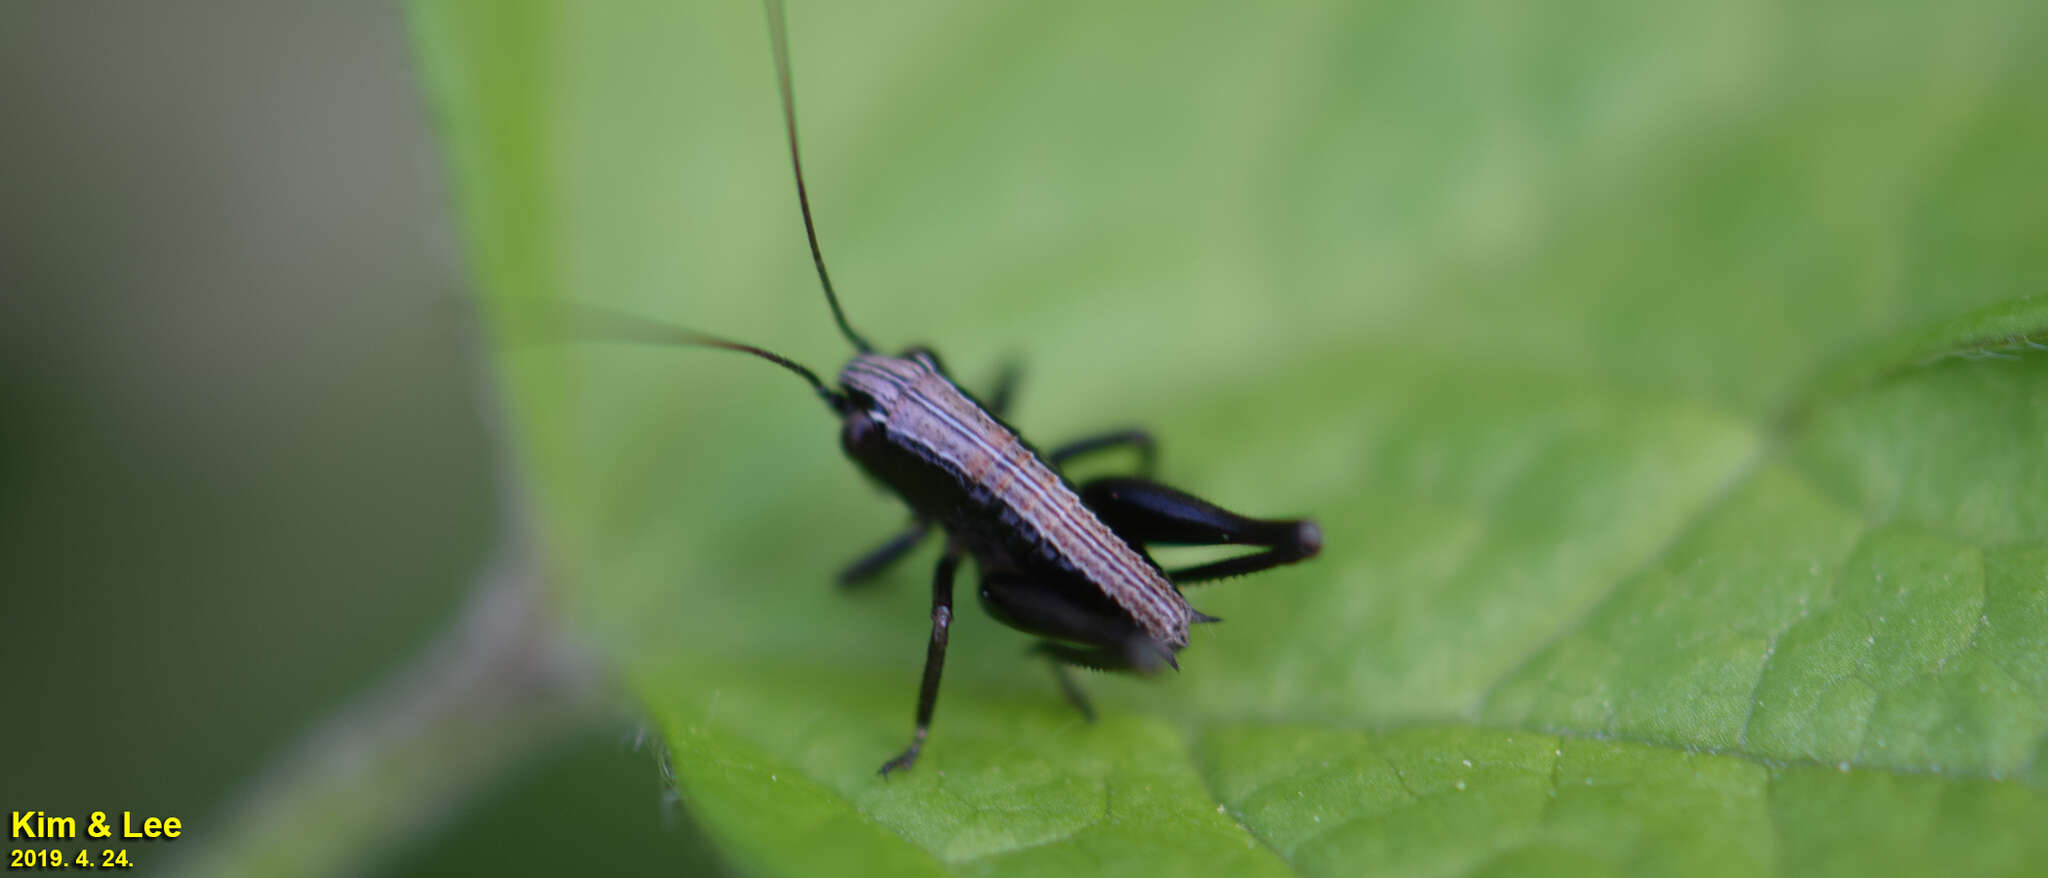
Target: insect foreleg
879	558
1005	390
934	658
1148	451
1148	512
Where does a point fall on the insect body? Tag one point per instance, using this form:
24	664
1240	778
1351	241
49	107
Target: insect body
914	430
1068	564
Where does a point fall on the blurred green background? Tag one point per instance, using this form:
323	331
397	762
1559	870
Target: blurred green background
243	425
1617	346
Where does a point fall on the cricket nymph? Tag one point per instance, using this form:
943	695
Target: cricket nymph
957	465
1065	563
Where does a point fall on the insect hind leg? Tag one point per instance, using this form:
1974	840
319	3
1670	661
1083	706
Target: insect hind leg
1059	657
1095	658
1144	511
1080	616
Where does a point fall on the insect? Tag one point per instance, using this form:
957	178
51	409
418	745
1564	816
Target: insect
1066	563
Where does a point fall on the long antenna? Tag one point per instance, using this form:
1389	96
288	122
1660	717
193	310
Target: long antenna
778	35
592	323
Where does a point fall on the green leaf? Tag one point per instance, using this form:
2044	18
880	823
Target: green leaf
1666	380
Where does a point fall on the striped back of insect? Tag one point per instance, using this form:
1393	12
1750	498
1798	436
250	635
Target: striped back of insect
922	412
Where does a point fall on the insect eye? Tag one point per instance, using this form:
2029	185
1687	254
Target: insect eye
859	431
928	357
865	406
